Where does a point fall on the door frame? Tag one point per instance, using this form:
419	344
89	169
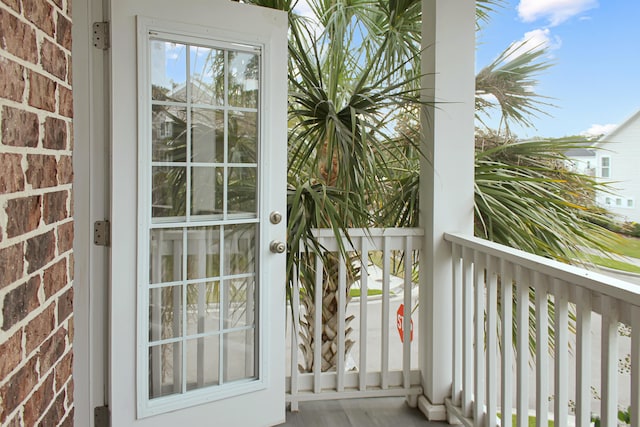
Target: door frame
91	203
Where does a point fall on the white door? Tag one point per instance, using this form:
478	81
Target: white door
198	144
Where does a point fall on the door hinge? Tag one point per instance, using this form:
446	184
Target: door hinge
102	233
101	416
101	35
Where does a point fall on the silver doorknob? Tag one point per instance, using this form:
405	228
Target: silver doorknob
275	217
277	247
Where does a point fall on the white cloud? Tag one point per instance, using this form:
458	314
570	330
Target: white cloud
540	38
555	11
598	130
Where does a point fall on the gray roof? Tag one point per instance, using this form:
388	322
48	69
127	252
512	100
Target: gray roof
580	152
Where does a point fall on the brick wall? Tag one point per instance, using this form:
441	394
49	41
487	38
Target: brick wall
36	208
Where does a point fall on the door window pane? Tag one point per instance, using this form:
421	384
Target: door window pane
243	137
168	71
207	136
243	79
168	133
168	194
165	370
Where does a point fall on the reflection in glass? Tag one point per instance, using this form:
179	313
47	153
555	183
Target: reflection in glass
243	79
165	313
203	362
165	370
207	136
241	191
203	308
239	301
207	195
168	191
240	249
203	258
168	133
165	260
207	75
243	137
168	71
239	355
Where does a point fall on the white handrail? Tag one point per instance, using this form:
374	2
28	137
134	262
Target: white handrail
547	296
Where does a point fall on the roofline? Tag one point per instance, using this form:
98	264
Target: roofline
628	120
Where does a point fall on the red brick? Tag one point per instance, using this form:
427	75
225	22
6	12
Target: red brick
18	388
65	170
38	329
54	206
69	71
65	305
11	264
38	402
63	33
42	92
68	422
13	4
52	350
55	134
11	351
56	411
14	422
11	174
17	38
43	171
55	278
40	12
23	215
40	251
53	59
65	237
63	371
11	80
66	102
20	302
71	266
19	128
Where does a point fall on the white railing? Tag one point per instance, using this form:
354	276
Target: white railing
378	363
506	303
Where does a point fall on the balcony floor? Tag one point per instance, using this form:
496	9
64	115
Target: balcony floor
371	412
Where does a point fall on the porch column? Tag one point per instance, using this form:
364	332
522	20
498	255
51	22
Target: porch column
446	181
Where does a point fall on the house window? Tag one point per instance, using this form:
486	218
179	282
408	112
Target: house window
618	201
630	203
607	201
605	167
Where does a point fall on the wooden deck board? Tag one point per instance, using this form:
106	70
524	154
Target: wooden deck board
372	412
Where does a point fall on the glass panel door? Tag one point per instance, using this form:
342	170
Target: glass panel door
203	219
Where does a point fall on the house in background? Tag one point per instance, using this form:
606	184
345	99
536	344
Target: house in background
582	160
617	160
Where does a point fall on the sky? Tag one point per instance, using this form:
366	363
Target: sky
595	48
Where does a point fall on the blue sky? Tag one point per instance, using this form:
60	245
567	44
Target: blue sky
595	46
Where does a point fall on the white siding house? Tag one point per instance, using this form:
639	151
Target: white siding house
618	162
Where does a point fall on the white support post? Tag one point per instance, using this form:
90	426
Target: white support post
446	185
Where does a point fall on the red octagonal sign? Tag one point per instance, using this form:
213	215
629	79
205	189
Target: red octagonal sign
400	323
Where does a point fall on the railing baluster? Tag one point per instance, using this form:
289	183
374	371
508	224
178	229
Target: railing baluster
317	328
295	322
468	310
364	297
506	271
492	341
522	283
341	301
479	389
583	357
561	323
457	308
609	366
406	323
635	366
386	273
542	349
